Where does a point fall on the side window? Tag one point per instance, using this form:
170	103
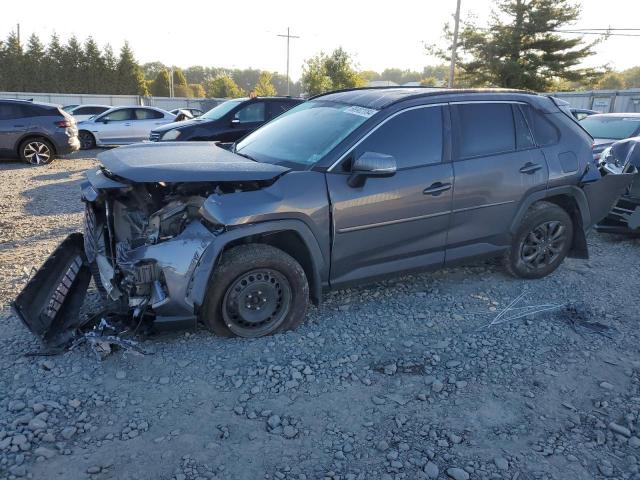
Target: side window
254	112
524	139
544	132
147	114
82	111
413	138
119	115
485	129
6	111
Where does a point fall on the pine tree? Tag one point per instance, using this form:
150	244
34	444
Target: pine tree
130	79
109	81
71	62
520	48
12	71
53	66
160	86
35	75
93	68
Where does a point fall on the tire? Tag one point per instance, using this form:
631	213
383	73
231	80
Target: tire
541	242
36	151
87	140
256	290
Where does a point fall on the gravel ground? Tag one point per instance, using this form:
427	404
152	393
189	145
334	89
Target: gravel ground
403	379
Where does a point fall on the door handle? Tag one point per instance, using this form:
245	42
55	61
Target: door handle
530	168
436	189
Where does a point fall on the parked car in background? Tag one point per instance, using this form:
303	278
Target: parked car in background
36	132
582	113
227	122
345	188
85	112
195	112
623	157
607	128
121	126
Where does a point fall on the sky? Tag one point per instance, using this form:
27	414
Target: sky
199	32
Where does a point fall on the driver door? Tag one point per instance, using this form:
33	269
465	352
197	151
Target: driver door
117	127
397	223
246	119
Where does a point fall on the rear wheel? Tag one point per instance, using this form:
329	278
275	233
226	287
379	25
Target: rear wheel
256	290
87	140
37	151
541	243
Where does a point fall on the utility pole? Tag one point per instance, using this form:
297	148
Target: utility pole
18	33
171	83
288	37
454	45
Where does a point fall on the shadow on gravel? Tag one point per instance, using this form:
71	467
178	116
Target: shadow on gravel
54	199
49	234
57	176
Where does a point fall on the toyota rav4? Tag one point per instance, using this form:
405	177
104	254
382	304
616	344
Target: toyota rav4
342	189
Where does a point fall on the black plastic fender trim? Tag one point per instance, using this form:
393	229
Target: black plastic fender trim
209	259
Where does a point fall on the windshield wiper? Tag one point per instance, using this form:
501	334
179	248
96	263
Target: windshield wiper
244	155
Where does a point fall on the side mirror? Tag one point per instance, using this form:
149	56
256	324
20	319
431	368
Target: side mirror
371	164
104	120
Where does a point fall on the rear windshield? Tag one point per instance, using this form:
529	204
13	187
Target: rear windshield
615	128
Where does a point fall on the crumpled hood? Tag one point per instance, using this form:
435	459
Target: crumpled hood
184	162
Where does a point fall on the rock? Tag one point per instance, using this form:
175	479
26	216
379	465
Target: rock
37	423
614	427
44	452
16	405
68	432
606	385
457	474
75	403
606	469
382	445
164	381
121	374
501	463
634	442
18	470
289	432
378	400
94	469
431	469
453	363
273	421
437	386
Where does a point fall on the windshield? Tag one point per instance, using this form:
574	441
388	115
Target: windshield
221	110
304	134
615	128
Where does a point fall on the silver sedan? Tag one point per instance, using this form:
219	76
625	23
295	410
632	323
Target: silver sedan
121	126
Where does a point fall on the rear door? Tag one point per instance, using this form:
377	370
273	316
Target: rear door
400	222
145	120
496	166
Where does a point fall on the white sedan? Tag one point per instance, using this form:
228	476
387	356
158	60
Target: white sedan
85	112
121	126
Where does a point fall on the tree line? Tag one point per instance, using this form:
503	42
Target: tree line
522	46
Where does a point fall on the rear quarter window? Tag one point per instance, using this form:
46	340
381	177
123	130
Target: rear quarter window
544	131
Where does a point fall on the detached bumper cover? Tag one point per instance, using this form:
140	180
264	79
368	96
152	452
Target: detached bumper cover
603	194
49	305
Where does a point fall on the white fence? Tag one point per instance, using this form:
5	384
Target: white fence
165	103
605	101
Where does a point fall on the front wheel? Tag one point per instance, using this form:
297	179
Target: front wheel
256	290
541	243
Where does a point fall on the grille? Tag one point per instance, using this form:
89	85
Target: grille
154	137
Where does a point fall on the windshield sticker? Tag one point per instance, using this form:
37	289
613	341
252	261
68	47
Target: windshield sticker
361	111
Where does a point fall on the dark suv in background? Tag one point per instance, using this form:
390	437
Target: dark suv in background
36	132
345	188
227	122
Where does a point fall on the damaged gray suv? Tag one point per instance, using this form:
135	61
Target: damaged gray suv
347	187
